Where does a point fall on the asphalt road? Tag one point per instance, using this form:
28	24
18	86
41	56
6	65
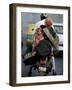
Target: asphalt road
58	67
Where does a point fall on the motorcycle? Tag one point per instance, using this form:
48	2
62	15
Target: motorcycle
42	58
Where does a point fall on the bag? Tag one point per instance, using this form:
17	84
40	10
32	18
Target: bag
52	37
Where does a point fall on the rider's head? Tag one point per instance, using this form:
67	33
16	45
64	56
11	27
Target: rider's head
43	16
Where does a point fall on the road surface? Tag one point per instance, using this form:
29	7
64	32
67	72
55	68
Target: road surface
58	67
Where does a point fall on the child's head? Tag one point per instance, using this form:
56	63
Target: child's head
39	31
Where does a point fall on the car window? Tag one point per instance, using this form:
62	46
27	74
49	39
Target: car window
59	29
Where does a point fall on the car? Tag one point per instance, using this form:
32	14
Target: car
59	30
60	42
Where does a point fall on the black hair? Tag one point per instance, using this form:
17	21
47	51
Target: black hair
42	16
42	26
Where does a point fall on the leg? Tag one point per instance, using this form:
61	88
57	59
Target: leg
30	71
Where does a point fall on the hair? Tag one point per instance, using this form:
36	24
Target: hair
42	26
42	16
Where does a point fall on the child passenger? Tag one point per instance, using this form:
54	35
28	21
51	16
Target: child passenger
38	36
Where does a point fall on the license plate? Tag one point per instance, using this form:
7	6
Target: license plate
42	69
